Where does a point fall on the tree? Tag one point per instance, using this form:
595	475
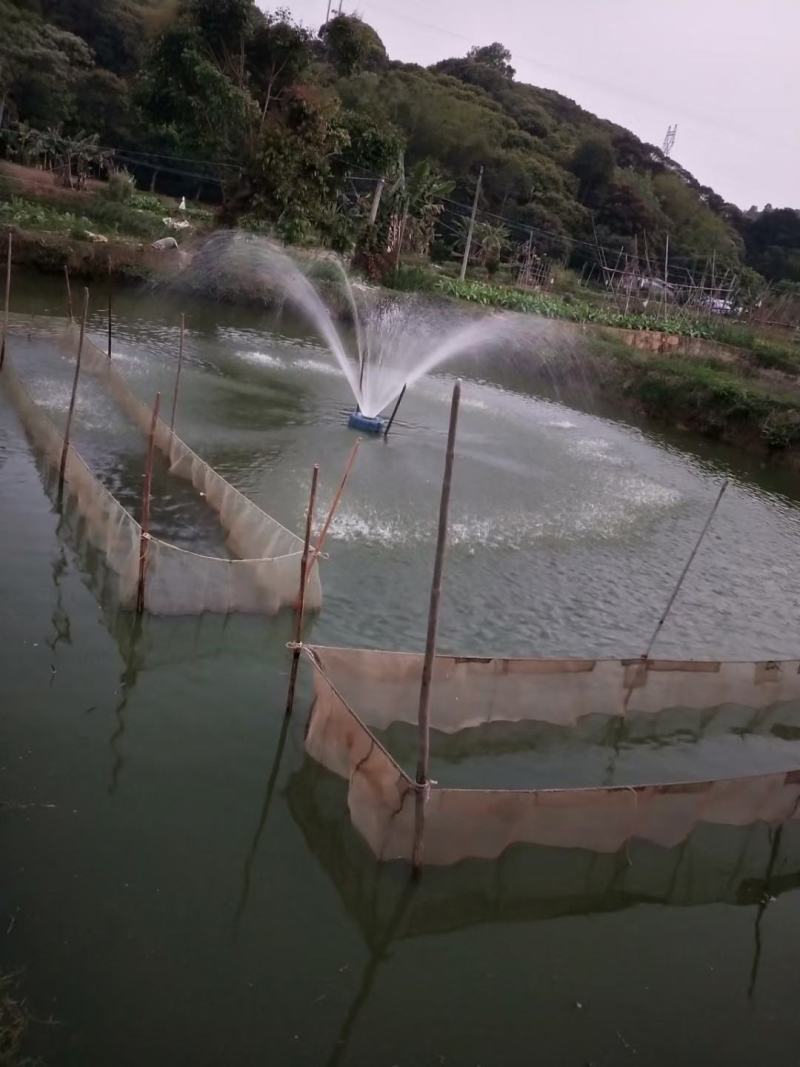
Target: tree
593	165
290	178
39	65
773	243
496	56
278	54
102	104
350	45
224	27
183	87
111	28
374	147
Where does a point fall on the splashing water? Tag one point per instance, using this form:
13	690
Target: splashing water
395	344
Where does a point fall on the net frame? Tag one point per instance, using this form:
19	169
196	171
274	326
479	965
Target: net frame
393	812
264	577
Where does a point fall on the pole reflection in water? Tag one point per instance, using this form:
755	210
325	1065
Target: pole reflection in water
740	866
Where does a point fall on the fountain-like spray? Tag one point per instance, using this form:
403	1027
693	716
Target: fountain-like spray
396	343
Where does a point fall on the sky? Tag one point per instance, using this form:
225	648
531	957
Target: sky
726	71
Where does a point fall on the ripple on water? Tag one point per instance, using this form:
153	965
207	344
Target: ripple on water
261	359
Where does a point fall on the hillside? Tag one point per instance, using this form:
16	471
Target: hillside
291	128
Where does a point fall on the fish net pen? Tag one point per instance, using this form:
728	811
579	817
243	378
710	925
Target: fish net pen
263	574
737	865
360	696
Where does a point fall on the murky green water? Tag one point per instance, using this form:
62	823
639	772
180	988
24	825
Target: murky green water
181	886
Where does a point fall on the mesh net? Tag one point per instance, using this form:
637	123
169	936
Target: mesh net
358	694
264	577
714	863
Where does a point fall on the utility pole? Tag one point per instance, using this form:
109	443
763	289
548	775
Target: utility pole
328	13
465	260
376	199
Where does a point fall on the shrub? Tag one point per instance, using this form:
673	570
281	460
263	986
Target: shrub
410	279
147	202
120	187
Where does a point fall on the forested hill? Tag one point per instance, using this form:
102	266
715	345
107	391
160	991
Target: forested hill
293	126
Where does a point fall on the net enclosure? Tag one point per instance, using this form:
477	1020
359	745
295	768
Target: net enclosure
264	574
359	694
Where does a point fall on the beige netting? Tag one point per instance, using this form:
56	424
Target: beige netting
264	578
358	691
715	863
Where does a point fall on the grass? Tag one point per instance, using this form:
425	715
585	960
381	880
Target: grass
96	215
762	353
139	216
15	1020
709	397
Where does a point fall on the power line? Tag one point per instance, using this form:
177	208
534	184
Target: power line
618	90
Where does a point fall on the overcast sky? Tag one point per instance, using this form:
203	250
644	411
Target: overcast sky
726	71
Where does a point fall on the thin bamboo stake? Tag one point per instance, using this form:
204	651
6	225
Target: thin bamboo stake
144	539
70	314
394	412
401	237
109	308
177	374
423	720
7	303
332	509
65	449
679	583
301	596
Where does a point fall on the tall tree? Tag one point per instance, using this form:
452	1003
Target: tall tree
593	165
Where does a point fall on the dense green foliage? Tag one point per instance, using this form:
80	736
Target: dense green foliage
291	127
713	400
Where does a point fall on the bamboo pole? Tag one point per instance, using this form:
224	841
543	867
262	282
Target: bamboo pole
646	654
301	596
65	449
146	491
70	314
109	308
177	374
423	720
332	509
376	200
394	411
401	237
468	246
7	303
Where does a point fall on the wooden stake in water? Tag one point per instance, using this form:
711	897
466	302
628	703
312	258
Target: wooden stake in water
177	374
301	597
70	314
65	449
332	509
109	308
144	539
7	303
423	719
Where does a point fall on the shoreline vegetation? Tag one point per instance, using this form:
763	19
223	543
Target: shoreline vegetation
719	379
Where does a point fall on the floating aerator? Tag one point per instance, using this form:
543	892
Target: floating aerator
366	423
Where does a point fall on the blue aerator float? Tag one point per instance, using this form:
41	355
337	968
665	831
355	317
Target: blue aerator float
366	423
375	423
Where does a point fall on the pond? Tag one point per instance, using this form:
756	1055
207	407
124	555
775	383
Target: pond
183	886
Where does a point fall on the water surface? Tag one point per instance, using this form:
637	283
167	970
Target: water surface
181	886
